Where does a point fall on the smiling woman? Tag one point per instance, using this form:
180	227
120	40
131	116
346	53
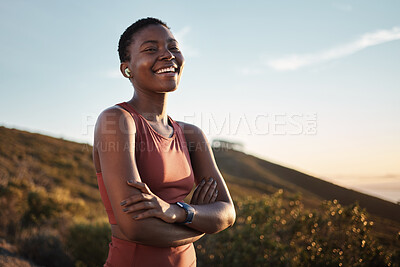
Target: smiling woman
153	60
155	161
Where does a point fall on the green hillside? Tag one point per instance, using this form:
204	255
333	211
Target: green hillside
49	199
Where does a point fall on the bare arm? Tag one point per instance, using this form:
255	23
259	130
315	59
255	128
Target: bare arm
217	216
114	143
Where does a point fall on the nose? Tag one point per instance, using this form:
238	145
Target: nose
167	55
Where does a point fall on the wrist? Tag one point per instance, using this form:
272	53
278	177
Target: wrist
189	212
180	214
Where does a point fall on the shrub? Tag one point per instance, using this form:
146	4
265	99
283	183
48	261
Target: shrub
40	208
88	243
12	207
44	248
269	232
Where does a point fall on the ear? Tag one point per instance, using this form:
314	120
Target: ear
123	68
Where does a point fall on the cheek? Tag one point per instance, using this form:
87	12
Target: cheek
142	67
180	59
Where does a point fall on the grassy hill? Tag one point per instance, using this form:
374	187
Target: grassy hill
48	192
256	175
48	162
248	175
55	162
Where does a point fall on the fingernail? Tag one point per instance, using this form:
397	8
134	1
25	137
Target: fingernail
216	191
135	217
124	210
211	179
123	202
215	183
130	182
203	181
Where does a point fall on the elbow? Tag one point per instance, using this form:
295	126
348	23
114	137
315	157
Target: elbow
232	217
224	222
142	236
138	237
133	237
133	232
143	232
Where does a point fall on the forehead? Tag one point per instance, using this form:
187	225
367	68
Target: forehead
152	32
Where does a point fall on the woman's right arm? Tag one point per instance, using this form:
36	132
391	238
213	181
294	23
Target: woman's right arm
114	141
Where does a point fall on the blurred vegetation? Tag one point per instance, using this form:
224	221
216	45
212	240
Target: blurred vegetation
51	211
88	243
275	230
49	197
43	247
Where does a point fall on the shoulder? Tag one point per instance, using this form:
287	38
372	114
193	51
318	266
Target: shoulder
195	138
191	131
113	113
114	121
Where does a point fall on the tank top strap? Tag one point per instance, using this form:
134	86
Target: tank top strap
143	126
136	118
129	108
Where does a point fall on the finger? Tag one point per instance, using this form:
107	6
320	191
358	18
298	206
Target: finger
146	214
136	198
147	189
204	190
210	192
139	206
196	192
139	185
214	197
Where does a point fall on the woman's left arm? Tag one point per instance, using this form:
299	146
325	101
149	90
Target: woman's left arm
217	216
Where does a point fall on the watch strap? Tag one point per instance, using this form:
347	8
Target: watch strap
189	212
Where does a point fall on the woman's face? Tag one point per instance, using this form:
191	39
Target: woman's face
156	62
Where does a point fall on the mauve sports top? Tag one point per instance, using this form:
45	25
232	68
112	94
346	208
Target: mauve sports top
164	165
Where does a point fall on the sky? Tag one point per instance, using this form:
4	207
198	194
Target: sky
312	85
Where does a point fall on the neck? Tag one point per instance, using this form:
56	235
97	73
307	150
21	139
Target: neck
152	106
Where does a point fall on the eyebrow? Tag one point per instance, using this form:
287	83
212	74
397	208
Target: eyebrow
169	40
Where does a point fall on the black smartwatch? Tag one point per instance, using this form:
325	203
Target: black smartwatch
189	212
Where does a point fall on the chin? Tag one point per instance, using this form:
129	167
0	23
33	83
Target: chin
168	88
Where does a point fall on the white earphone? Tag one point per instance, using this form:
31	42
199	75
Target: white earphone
128	72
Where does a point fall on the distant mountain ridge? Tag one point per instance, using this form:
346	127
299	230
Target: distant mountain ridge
268	175
49	160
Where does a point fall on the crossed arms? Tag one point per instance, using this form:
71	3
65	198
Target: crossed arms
142	216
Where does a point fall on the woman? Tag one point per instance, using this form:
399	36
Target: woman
147	163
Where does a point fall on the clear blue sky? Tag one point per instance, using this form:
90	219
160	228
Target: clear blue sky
309	84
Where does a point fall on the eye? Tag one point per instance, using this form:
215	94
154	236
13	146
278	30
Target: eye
150	49
174	48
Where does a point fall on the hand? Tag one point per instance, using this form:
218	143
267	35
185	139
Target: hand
205	192
147	204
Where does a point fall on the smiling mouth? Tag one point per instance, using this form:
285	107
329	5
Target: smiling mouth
168	70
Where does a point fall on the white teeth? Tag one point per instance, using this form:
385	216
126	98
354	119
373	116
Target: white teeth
166	70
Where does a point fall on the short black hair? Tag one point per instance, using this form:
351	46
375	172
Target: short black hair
126	38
